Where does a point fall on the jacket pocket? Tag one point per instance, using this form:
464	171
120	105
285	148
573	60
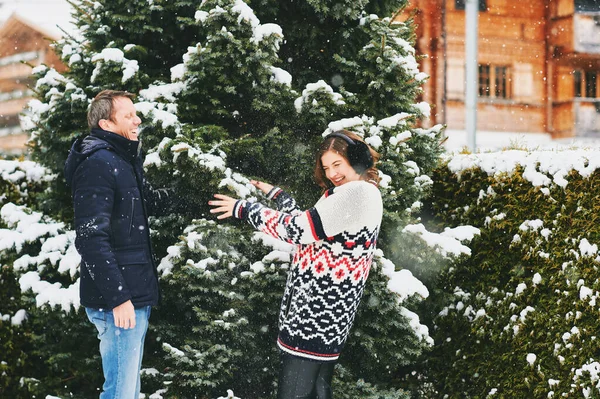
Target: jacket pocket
138	274
131	256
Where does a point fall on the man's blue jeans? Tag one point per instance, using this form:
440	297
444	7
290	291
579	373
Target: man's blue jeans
121	352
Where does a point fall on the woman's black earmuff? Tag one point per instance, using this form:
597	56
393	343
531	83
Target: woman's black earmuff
359	154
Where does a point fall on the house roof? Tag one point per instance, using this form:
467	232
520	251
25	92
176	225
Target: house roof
16	19
46	16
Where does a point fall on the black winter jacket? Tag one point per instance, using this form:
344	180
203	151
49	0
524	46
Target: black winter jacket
110	202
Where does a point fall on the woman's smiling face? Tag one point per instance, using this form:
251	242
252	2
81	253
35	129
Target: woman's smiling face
337	169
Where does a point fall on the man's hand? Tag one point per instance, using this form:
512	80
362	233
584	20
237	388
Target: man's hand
224	205
124	315
262	186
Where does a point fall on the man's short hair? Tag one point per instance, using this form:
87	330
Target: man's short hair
102	106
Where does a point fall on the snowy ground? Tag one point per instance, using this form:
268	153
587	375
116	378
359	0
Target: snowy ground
487	141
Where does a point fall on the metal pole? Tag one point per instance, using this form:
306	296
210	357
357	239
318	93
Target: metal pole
445	58
471	70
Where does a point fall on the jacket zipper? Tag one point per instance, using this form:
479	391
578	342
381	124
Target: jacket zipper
131	223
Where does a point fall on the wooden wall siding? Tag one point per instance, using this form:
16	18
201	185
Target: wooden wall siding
428	21
510	34
500	117
12	107
542	42
9	86
455	83
576	33
531	9
15	71
14	144
561	34
19	41
16	36
563	120
526	88
561	8
564	84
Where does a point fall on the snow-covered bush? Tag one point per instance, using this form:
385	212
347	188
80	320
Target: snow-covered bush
519	317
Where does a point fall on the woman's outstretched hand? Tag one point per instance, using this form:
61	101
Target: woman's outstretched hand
223	205
262	186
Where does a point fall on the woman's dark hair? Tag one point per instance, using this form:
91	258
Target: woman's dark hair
340	146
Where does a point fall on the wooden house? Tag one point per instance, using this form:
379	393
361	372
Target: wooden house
539	64
22	45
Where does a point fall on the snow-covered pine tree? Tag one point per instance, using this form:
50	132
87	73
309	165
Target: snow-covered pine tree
231	90
35	315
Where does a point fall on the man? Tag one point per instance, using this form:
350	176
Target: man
119	281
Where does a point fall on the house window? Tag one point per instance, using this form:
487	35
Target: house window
494	81
587	5
586	83
460	5
501	80
578	81
9	120
484	81
590	84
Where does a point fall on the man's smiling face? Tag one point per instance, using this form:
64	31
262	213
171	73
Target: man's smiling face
124	120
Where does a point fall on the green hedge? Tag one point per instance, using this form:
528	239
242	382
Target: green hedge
519	318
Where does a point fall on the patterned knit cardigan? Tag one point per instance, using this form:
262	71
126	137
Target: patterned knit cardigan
335	242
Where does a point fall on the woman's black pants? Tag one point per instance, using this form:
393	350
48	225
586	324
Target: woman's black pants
301	378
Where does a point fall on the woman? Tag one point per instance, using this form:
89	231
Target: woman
335	245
